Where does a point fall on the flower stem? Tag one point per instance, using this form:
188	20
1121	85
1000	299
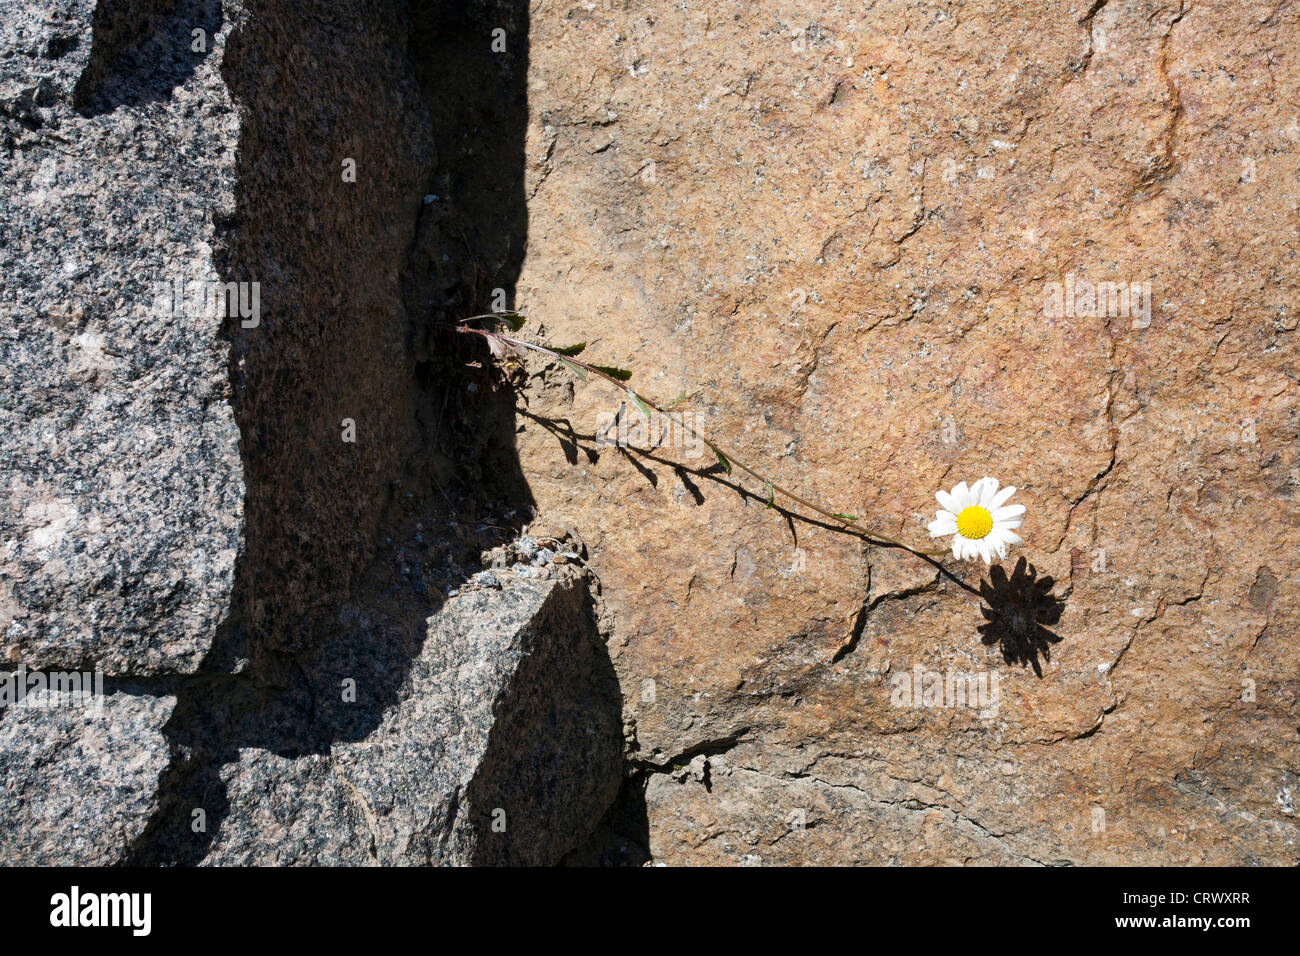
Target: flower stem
723	455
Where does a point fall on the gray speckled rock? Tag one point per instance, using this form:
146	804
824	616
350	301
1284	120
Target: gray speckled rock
78	786
498	742
121	488
178	503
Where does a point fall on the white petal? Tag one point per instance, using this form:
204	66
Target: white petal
1001	497
1010	511
998	543
987	488
948	502
958	546
986	551
1007	524
961	498
944	523
1000	540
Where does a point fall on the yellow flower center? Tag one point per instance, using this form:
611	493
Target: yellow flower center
974	522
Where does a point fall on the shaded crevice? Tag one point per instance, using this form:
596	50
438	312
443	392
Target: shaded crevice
870	605
349	547
705	748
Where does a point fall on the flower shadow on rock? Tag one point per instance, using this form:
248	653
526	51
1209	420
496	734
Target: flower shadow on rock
1020	610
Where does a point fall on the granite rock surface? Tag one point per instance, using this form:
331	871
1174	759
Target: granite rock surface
885	248
246	480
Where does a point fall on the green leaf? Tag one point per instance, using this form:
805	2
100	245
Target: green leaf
640	405
621	374
578	371
771	493
512	319
847	517
677	401
722	460
570	349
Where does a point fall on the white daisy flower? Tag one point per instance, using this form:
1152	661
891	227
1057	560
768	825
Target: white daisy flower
982	522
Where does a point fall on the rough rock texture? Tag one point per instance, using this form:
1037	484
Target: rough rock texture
251	515
863	240
329	253
119	463
838	225
496	740
80	783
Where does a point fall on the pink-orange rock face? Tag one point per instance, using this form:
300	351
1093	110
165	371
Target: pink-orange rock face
840	227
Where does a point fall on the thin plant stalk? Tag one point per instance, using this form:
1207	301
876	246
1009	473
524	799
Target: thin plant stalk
725	458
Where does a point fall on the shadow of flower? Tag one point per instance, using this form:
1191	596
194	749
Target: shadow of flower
1020	610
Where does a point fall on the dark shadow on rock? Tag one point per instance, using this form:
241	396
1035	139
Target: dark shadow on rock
1019	611
474	82
623	836
142	50
350	547
555	749
572	441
